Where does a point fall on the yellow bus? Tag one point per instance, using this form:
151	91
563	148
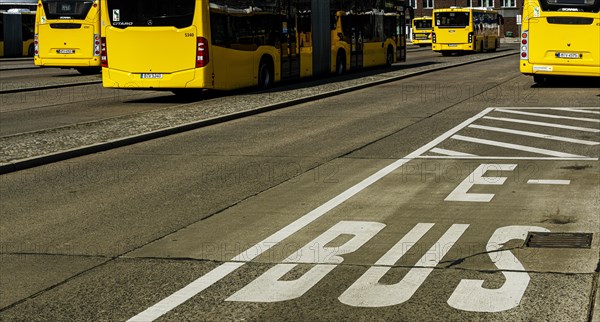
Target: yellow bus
67	35
422	29
19	41
224	44
560	37
458	30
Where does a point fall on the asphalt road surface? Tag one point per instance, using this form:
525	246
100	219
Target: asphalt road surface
407	201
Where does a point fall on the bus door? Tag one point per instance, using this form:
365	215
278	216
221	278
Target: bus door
353	28
290	51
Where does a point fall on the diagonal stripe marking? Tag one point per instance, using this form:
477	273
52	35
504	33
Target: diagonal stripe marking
516	147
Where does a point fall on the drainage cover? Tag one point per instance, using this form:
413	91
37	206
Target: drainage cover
559	240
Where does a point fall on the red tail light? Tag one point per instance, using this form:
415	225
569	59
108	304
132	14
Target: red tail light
201	52
103	53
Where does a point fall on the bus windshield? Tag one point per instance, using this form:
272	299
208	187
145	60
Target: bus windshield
151	13
423	24
570	5
66	9
452	19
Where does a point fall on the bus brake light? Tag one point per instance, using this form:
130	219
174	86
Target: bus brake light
103	52
524	45
96	45
201	52
36	45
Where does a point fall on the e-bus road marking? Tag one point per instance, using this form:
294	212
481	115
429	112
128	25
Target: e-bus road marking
218	273
550	182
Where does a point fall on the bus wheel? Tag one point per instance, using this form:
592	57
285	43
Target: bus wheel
389	57
340	63
265	74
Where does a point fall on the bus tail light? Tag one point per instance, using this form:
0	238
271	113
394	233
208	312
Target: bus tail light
103	52
433	40
201	52
36	45
524	45
96	45
470	37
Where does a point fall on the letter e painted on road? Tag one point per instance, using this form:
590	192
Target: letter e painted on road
470	295
460	193
269	288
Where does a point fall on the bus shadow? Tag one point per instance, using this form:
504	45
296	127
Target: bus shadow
283	86
569	82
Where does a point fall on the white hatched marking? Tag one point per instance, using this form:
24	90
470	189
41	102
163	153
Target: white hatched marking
516	147
577	110
559	126
507	158
451	153
550	116
541	181
533	134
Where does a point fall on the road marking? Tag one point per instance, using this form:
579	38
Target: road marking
551	116
451	153
576	110
559	126
218	273
532	134
541	181
507	158
461	192
516	147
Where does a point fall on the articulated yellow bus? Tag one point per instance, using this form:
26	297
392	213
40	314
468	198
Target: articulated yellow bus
422	29
67	35
19	42
560	37
224	44
465	30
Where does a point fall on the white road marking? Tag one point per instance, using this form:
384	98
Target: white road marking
516	147
507	158
200	284
577	110
541	181
532	134
461	192
559	126
551	116
451	153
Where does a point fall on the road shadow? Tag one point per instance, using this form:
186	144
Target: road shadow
568	82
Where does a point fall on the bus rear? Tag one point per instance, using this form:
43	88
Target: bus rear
422	29
67	34
560	38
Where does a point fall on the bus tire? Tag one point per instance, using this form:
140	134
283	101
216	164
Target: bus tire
265	73
389	57
340	63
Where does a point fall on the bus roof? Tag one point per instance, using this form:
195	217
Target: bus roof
464	9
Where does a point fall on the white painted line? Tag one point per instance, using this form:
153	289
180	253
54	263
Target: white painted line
172	301
451	153
541	181
550	116
439	157
577	110
533	134
559	126
516	147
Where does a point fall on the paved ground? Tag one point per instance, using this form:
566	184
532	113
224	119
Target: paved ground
405	201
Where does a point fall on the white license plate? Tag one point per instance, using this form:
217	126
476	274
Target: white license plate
65	51
151	76
568	55
451	45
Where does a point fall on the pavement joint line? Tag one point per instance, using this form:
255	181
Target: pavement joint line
36	161
45	87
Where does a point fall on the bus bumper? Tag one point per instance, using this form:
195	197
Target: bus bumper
559	70
452	47
193	78
71	62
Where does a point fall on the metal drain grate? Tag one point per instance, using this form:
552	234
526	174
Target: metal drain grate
558	240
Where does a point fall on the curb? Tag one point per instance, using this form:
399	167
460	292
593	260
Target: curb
36	161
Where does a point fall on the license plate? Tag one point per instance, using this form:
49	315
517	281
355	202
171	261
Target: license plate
151	76
65	51
568	55
451	45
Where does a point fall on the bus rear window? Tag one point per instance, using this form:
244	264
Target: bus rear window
451	19
570	5
151	13
423	24
72	9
